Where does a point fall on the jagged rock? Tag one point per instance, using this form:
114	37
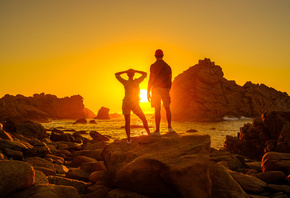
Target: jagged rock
248	182
48	191
103	113
77	161
16	155
169	165
31	129
41	164
58	135
15	145
81	121
40	178
270	132
254	165
232	161
272	177
62	169
93	166
92	122
223	184
4	135
79	174
79	185
15	175
95	154
279	188
97	191
99	176
201	93
274	161
42	107
92	145
124	193
98	137
39	150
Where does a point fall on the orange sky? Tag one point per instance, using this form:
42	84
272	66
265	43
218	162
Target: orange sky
73	47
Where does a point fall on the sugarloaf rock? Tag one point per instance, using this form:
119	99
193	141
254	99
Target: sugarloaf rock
201	93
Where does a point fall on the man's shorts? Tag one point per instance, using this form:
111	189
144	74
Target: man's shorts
159	94
128	106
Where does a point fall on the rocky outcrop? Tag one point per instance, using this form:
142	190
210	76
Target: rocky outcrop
103	113
201	93
270	132
180	170
42	107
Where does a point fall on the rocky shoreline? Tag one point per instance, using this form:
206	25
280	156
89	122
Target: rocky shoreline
37	164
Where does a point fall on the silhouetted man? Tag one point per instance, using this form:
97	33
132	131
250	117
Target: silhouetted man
131	99
160	81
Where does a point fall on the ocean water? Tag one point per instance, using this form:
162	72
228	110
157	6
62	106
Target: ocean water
113	127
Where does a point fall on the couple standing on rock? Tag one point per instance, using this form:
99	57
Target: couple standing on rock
159	84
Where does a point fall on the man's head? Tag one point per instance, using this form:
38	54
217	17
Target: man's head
130	73
159	53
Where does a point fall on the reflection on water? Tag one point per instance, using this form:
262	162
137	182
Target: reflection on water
216	130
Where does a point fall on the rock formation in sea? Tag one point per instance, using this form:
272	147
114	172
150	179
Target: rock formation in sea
103	113
201	93
41	107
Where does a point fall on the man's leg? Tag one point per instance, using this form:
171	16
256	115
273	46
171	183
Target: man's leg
145	123
127	126
157	118
168	116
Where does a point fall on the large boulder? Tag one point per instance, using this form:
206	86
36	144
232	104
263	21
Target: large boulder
31	129
201	93
79	185
98	137
48	191
169	165
223	184
274	161
249	183
15	175
103	113
42	165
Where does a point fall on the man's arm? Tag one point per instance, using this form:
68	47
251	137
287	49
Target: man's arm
151	80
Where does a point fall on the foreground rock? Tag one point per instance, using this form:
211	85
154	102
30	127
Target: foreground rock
180	170
201	93
48	191
15	175
223	184
270	132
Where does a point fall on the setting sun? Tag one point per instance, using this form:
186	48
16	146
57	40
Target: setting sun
143	95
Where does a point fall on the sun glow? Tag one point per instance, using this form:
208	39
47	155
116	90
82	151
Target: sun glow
143	95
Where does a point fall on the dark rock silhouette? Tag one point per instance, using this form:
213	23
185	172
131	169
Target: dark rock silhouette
159	172
103	113
42	107
268	133
201	93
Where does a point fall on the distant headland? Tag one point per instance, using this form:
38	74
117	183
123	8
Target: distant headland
42	107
